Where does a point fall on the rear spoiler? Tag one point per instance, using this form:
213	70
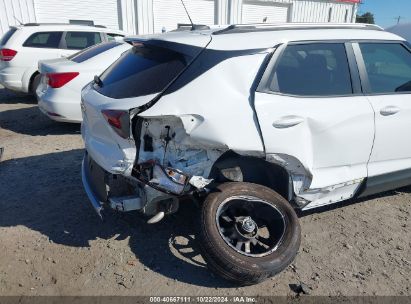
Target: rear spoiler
135	41
155	41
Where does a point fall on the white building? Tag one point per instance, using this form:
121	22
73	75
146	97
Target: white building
151	16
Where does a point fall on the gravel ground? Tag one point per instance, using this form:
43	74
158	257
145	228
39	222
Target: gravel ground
52	243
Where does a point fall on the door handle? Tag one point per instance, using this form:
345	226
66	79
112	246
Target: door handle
390	110
287	122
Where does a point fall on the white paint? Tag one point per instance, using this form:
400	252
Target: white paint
200	182
65	101
333	141
221	119
391	151
331	195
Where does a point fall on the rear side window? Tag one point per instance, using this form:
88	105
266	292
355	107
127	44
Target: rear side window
81	40
388	67
44	40
319	69
92	51
6	37
144	70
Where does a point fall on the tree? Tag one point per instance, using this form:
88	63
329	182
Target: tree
366	18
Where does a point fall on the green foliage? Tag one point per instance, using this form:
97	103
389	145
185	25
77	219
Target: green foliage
366	18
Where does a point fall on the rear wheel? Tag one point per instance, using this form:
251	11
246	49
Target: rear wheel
248	232
35	83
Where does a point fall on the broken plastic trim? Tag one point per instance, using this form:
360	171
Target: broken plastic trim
168	180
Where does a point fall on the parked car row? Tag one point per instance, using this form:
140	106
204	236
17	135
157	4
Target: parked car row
253	122
23	46
59	92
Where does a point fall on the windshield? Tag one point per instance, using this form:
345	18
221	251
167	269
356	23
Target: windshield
144	70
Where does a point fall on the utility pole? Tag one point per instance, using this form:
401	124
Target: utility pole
398	19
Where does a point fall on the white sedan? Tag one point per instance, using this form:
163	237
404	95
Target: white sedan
59	93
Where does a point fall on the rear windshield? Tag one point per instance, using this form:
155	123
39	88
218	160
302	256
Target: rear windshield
7	35
144	70
93	51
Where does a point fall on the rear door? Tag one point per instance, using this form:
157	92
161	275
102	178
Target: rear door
314	118
42	45
38	46
386	74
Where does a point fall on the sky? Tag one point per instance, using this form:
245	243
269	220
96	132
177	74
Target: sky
386	12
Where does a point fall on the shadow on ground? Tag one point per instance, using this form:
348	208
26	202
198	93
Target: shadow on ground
30	121
34	193
10	97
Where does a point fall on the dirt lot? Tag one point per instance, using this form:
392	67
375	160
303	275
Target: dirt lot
52	243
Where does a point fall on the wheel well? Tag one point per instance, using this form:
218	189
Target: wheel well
234	167
32	79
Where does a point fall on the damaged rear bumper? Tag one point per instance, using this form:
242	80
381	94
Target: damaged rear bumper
158	191
88	187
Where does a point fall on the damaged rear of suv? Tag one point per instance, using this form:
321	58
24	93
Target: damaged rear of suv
251	122
144	157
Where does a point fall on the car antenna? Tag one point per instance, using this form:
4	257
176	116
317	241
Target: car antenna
191	21
21	23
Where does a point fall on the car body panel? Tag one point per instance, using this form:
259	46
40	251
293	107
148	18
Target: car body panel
332	141
108	149
391	152
220	121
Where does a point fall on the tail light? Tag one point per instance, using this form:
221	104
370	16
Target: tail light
119	121
7	54
57	80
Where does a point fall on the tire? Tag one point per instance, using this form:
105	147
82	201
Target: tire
34	84
244	268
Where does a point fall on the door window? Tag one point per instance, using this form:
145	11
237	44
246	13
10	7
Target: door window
44	40
81	40
388	67
318	69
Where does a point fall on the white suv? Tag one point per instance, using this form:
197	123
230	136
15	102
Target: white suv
23	46
253	122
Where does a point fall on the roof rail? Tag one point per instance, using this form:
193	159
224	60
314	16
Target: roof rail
260	27
38	24
190	27
73	24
